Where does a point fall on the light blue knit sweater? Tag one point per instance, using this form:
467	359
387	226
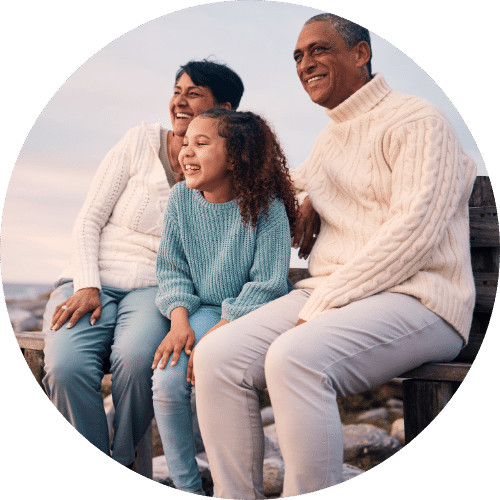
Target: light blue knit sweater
207	256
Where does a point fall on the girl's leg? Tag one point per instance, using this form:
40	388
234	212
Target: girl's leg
139	330
74	367
229	369
343	352
172	406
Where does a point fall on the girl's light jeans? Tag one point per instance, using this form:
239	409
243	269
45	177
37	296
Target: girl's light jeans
129	331
344	351
172	406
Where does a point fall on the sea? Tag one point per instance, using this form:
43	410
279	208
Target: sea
25	290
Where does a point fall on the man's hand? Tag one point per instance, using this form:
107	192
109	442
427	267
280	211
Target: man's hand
190	372
82	302
306	229
180	337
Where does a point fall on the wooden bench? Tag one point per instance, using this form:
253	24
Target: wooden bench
426	389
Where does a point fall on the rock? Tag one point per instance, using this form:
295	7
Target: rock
271	445
398	430
267	416
21	319
160	469
375	415
349	471
274	473
366	439
395	404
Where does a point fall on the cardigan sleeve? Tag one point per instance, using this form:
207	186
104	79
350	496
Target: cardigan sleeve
107	185
427	184
175	284
269	271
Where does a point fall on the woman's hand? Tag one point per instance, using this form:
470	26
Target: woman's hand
307	229
180	336
82	302
190	372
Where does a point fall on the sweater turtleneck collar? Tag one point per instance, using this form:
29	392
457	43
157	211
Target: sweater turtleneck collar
362	101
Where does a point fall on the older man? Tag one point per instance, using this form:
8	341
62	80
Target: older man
391	284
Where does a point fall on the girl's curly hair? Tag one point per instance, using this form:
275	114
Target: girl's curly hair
257	163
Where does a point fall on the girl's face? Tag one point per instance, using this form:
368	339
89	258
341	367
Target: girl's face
204	161
188	101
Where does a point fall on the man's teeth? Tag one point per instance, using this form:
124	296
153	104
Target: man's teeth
183	115
315	78
192	167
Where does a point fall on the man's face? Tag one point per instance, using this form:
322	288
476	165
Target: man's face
327	69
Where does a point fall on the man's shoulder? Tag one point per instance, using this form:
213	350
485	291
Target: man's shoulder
412	107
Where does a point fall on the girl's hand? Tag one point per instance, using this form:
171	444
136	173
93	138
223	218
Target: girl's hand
82	302
190	372
180	336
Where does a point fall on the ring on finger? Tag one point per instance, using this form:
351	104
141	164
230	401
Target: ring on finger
64	307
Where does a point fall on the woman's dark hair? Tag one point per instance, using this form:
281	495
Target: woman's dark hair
257	164
225	84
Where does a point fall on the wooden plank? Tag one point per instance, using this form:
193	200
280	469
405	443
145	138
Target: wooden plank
423	401
482	192
486	290
483	225
451	372
31	340
35	360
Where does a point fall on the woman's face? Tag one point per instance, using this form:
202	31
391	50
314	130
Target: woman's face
188	101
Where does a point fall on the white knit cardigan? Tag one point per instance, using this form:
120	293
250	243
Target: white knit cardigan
391	183
117	233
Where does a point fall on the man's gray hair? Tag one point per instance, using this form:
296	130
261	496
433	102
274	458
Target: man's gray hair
350	32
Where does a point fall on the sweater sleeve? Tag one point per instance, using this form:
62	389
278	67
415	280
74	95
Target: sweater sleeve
427	176
175	284
269	271
299	182
107	185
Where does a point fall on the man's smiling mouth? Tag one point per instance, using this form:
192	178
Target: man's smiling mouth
315	78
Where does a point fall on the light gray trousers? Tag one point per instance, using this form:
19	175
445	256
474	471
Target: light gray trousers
342	352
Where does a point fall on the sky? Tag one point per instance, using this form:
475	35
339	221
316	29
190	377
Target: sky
131	79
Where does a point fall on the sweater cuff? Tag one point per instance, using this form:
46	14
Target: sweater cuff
87	279
315	306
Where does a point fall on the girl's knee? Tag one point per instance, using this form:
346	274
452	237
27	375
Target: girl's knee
170	384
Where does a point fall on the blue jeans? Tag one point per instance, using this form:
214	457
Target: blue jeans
172	406
128	332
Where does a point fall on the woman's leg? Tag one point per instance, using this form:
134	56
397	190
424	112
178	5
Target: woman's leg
139	330
343	352
229	369
172	406
74	367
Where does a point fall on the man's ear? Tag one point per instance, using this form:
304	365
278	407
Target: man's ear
363	53
225	105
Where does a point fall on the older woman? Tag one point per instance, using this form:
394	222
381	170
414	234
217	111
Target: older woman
106	297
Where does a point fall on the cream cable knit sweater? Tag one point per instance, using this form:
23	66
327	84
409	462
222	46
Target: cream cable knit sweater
391	184
117	232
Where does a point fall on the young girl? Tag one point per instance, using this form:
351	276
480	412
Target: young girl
224	252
